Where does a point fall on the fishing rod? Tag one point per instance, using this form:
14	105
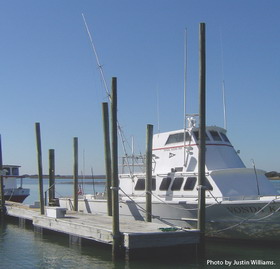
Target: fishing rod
122	136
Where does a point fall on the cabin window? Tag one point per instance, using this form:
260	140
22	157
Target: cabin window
15	171
190	183
215	135
140	185
177	138
177	183
165	183
192	164
224	137
196	134
208	185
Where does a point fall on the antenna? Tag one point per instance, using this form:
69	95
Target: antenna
256	175
106	88
223	83
97	59
158	110
224	105
185	93
185	77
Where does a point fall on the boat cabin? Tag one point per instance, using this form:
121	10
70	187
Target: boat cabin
11	170
10	175
175	168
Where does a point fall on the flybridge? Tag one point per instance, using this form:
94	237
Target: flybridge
213	134
178	150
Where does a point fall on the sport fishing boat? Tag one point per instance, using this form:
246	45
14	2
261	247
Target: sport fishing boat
12	192
241	202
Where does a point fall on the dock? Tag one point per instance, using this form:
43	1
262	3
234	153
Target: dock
137	235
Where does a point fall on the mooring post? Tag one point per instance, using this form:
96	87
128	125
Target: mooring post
40	169
107	151
51	176
117	237
202	130
75	145
148	181
2	209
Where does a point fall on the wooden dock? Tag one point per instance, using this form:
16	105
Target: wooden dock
137	235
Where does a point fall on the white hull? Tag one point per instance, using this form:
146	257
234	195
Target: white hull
250	219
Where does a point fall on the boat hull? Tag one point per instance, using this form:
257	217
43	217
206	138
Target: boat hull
16	195
253	220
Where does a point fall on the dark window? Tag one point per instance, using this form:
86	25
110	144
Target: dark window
165	183
190	183
215	135
15	171
224	137
140	185
196	134
177	184
177	138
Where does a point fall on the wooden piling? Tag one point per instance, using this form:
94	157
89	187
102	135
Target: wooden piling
40	167
148	183
107	153
75	145
117	237
2	206
202	130
51	176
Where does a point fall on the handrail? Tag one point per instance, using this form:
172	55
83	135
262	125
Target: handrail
46	203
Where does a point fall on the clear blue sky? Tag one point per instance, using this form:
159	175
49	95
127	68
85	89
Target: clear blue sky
48	74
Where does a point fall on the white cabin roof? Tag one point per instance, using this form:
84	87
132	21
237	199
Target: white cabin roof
179	150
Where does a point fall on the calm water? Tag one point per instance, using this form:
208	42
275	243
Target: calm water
22	248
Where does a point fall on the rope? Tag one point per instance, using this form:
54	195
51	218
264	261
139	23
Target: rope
217	202
12	193
144	210
250	217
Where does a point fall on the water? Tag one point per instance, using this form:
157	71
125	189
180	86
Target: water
21	247
63	187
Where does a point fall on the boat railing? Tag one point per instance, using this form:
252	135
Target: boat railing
242	197
49	201
132	164
182	174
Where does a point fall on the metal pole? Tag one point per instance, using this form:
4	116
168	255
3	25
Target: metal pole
75	145
107	151
2	209
117	237
40	169
202	129
51	176
148	182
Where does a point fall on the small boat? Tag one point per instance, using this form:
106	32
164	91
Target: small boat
241	203
11	190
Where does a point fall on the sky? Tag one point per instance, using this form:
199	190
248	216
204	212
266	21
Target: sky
49	74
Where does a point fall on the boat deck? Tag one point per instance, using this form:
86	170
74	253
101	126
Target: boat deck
136	234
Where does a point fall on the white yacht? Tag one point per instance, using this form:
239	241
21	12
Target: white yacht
241	202
13	192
